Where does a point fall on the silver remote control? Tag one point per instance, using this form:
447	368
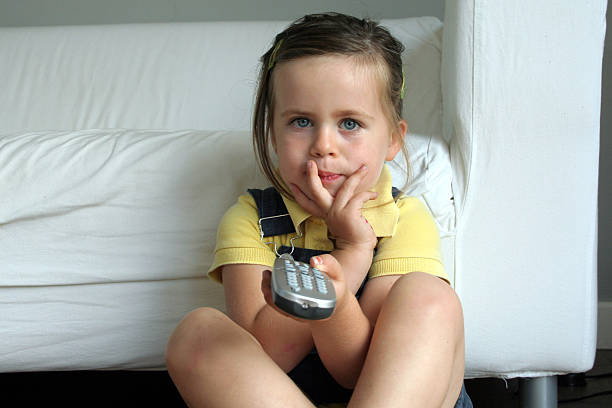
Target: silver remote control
301	290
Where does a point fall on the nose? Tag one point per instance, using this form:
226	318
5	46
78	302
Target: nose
324	143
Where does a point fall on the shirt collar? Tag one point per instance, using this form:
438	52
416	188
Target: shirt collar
382	213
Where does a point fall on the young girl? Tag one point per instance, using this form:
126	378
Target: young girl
329	105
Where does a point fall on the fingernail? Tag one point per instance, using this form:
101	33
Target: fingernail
316	260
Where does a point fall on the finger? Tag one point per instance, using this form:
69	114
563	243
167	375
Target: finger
305	202
328	264
347	190
320	195
357	202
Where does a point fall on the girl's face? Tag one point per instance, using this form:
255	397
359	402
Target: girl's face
329	109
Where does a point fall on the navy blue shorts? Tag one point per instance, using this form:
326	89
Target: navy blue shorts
464	400
317	383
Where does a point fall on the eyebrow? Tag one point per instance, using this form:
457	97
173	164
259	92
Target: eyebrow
342	113
294	112
351	113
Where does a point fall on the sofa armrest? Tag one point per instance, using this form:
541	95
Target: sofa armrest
521	85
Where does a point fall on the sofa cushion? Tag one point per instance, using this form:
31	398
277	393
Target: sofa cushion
116	205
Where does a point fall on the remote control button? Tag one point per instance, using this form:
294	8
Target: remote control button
307	281
322	288
292	280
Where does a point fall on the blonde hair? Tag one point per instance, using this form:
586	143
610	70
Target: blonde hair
327	34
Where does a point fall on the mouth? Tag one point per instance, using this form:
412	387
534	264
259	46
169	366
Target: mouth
328	177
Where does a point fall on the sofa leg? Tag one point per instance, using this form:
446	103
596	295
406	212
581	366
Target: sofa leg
538	392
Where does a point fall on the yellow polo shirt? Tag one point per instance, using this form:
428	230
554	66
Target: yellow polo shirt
408	240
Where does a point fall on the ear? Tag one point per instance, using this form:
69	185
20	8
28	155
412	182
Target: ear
397	140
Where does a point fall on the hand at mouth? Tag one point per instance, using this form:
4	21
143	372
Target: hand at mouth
339	203
323	186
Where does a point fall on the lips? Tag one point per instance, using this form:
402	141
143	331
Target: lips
328	177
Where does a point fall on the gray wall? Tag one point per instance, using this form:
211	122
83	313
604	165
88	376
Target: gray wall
45	12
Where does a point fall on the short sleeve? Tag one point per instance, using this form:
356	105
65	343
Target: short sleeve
415	245
238	239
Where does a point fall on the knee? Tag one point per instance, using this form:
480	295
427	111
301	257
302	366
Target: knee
195	338
429	297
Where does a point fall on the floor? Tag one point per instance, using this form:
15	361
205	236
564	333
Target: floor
496	393
155	389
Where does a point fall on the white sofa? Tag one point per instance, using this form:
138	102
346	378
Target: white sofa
121	146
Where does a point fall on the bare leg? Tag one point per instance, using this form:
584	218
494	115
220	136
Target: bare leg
416	356
216	363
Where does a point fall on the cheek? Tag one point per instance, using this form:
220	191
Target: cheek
373	176
289	161
368	154
375	161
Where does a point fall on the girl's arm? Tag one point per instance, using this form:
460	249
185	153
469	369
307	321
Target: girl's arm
286	340
343	340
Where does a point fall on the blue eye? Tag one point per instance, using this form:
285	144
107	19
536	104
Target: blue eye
349	124
301	122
